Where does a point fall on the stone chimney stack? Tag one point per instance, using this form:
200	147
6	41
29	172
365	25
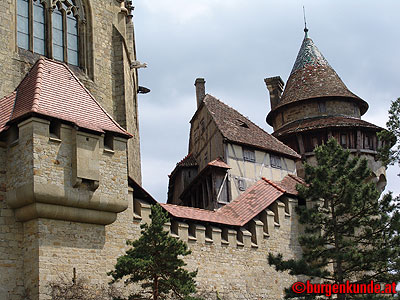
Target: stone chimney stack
200	90
275	88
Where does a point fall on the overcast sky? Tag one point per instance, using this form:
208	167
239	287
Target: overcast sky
234	45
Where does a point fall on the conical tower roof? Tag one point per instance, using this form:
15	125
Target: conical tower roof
312	77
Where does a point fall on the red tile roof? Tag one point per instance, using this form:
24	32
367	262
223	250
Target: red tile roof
312	77
51	89
6	104
237	128
198	214
254	200
289	184
324	122
247	206
218	163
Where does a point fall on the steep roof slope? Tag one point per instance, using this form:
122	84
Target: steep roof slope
313	77
51	89
237	128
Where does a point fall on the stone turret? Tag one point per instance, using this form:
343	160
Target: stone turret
316	105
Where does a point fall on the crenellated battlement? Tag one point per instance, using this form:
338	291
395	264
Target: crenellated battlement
275	222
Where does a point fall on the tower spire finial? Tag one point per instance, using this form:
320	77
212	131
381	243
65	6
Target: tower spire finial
305	22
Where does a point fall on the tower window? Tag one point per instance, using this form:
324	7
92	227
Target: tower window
52	32
322	106
368	142
343	140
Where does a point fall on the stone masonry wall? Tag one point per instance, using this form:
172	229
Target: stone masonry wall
101	78
233	262
309	109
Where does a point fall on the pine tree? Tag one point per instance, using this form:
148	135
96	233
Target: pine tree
349	234
389	153
153	261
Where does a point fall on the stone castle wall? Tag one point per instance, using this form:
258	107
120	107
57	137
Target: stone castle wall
232	261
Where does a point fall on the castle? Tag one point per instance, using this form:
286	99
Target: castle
70	193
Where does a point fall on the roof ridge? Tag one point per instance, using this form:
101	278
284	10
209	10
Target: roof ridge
297	178
190	207
90	94
221	131
38	84
274	185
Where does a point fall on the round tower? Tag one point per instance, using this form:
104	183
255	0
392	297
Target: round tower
315	106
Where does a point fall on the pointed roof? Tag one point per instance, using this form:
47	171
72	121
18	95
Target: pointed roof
238	129
313	77
51	89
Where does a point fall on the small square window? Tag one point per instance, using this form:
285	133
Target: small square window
249	155
55	129
241	185
276	161
109	141
13	134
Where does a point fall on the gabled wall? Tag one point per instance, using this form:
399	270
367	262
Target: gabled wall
244	173
206	142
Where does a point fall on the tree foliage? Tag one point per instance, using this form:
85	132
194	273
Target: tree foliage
349	234
389	153
154	261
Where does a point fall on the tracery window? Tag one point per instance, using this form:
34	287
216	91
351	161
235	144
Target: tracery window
53	28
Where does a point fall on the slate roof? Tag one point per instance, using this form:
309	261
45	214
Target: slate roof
324	122
238	129
51	89
312	77
244	208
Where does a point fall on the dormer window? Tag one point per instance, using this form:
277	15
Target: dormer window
242	124
53	32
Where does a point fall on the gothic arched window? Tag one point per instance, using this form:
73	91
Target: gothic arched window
53	28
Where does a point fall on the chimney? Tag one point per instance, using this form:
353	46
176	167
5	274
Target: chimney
275	88
200	90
